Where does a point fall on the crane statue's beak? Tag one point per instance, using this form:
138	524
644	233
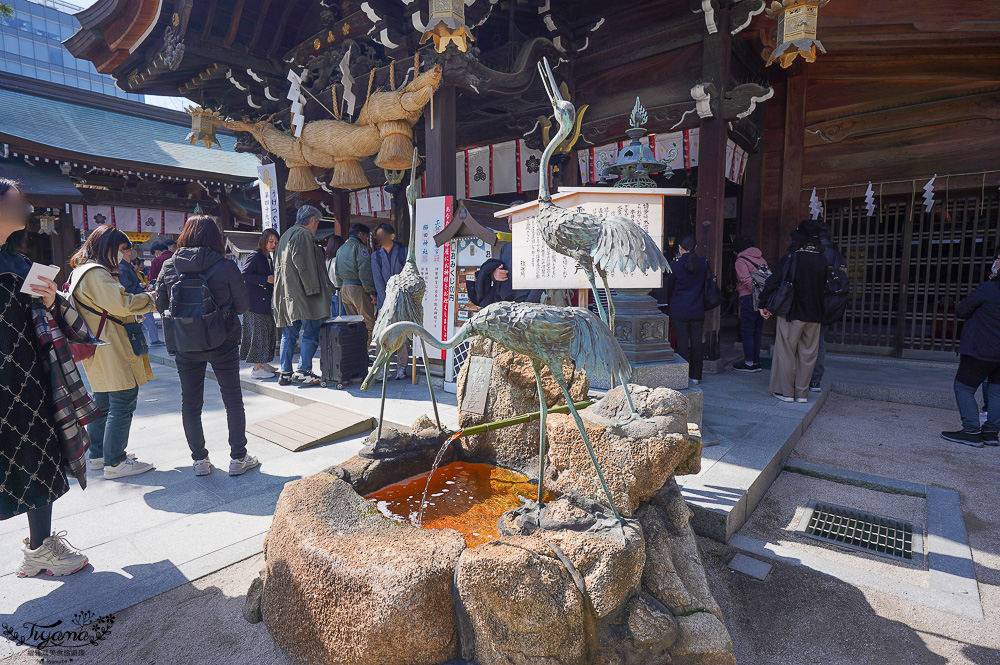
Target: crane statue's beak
549	81
380	361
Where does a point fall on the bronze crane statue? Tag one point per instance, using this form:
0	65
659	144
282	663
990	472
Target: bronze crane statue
404	301
595	243
549	336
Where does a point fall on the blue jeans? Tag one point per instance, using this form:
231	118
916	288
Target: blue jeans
310	342
149	325
968	379
751	329
335	304
109	432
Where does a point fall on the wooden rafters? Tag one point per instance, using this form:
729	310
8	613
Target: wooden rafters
234	23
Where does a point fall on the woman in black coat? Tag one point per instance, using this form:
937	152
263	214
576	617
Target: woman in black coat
200	252
31	457
979	362
687	305
260	335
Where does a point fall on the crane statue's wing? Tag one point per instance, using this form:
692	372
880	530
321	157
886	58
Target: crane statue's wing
625	247
404	301
575	230
595	347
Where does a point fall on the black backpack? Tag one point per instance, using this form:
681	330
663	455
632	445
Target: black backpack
837	292
194	321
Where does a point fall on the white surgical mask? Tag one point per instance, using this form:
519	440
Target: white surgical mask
121	256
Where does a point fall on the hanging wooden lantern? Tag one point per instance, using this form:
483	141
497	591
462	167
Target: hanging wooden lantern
47	223
797	21
447	25
203	126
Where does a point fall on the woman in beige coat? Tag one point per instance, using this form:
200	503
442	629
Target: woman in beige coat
115	372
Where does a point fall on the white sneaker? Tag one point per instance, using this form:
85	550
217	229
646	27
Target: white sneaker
261	374
270	368
802	400
400	373
238	467
55	556
97	463
783	398
130	467
202	467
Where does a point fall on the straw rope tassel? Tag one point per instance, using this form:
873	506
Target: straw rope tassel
392	75
371	80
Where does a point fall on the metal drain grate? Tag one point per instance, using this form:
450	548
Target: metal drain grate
859	530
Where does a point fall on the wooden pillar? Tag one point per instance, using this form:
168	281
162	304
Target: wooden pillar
750	195
342	212
716	57
793	151
285	221
63	243
441	144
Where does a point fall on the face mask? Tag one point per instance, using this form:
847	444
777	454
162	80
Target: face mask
121	256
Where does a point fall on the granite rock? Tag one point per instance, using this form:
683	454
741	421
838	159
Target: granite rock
512	392
702	639
346	585
636	457
523	604
674	572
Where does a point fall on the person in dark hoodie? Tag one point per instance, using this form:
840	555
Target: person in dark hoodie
748	261
797	340
979	361
833	260
687	304
200	251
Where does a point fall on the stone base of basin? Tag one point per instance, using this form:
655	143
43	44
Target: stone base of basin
346	585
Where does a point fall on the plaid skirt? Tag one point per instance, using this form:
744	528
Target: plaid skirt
259	338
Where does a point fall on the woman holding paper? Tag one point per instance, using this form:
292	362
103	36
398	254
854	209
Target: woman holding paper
115	370
31	455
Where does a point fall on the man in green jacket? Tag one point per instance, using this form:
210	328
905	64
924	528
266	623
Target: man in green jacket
354	270
302	294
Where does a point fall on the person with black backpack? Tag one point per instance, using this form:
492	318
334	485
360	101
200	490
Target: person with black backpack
836	272
751	275
200	293
796	294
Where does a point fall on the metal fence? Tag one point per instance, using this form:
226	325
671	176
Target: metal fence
909	268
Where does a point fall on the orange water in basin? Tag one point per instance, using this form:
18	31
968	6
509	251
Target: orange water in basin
467	497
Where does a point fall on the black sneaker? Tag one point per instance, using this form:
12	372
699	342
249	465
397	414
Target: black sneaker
742	366
990	438
285	379
815	388
306	378
974	439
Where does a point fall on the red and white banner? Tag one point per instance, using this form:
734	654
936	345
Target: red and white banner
505	167
480	172
529	161
134	220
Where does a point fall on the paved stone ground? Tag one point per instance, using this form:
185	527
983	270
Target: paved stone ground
150	533
798	617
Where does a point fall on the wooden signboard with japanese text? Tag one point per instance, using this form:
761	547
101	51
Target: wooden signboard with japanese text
537	266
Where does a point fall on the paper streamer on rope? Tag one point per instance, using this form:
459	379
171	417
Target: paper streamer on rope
815	206
870	200
350	99
929	194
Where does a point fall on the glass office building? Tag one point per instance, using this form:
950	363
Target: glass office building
31	45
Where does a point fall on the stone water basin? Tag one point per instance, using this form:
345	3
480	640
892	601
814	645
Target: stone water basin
463	496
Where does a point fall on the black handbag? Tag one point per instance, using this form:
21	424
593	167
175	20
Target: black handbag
711	293
780	302
132	330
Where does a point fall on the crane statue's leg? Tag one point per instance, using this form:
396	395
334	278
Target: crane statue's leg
607	294
543	408
381	410
586	440
597	296
628	398
430	386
